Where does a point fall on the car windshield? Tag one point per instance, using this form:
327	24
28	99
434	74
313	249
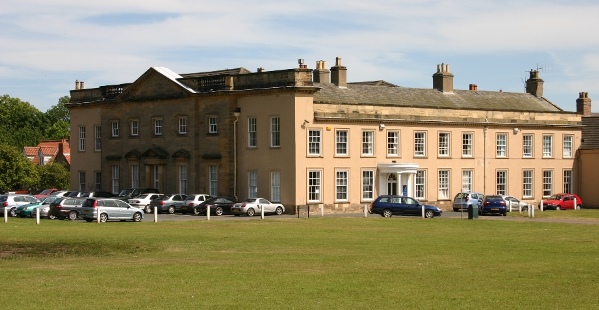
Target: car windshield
555	197
494	198
462	195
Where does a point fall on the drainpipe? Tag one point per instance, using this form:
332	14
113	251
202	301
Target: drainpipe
236	114
486	129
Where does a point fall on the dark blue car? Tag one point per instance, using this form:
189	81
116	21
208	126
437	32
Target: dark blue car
388	205
494	204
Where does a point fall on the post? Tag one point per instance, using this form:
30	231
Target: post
261	211
155	214
321	210
98	213
5	215
365	210
208	213
37	216
422	210
541	205
297	209
533	212
575	204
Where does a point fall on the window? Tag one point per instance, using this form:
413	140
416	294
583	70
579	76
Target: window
252	184
527	146
212	124
275	186
419	184
314	185
547	183
114	128
183	179
367	185
134	131
134	176
213	180
568	144
156	176
275	132
81	138
97	138
392	143
443	184
368	143
501	182
182	125
252	133
467	144
547	145
568	181
467	180
527	177
115	179
420	143
341	185
341	142
98	179
81	181
501	145
314	142
158	126
443	144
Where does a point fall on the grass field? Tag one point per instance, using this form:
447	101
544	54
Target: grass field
317	263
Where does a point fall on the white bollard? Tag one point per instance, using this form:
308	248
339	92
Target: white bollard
533	212
5	215
98	213
321	210
541	205
365	210
155	214
574	203
208	213
37	216
261	212
422	211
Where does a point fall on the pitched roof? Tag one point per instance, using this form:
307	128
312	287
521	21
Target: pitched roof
381	93
590	132
48	148
235	71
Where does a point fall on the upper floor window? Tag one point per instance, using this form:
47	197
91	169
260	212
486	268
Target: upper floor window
341	142
527	146
314	142
547	146
81	138
501	145
97	138
420	143
467	139
392	143
275	132
212	124
114	128
158	126
182	126
134	130
568	145
444	144
252	132
368	143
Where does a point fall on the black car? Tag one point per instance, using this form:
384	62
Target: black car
388	205
66	207
217	205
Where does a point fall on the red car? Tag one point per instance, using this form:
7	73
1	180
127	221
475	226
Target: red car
45	193
562	201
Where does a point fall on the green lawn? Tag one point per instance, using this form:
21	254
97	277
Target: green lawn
316	263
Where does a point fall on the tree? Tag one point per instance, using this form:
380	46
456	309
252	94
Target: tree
58	119
17	172
59	112
21	124
53	175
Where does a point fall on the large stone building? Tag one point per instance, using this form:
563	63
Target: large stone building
307	136
588	153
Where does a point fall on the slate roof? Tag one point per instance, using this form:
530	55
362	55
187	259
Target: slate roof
235	71
382	93
590	132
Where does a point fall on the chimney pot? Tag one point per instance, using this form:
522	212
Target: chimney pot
583	104
339	74
77	85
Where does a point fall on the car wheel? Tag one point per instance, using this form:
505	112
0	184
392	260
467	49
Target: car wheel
279	211
504	214
558	208
429	214
137	217
218	211
148	209
89	220
196	211
455	210
171	210
13	212
51	217
578	207
103	217
251	212
73	215
387	213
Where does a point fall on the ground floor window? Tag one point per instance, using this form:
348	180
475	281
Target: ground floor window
341	185
443	184
368	185
547	183
501	182
115	179
420	182
134	176
467	180
213	180
98	180
314	183
183	179
568	181
527	183
252	184
275	186
82	181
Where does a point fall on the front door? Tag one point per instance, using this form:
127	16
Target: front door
392	184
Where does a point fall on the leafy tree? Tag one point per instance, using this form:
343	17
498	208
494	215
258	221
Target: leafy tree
59	112
16	171
58	120
57	131
21	124
53	175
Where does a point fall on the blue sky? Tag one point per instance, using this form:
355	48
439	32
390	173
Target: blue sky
47	45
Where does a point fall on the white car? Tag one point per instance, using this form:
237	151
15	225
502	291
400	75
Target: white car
252	206
143	201
515	204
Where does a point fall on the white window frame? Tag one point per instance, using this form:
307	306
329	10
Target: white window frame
444	139
419	143
527	183
501	145
547	183
97	138
115	180
467	144
134	176
134	127
567	176
368	185
114	129
213	180
212	124
501	179
314	186
393	143
314	142
341	142
275	131
568	146
368	143
252	184
81	138
443	184
420	184
252	132
527	146
467	180
183	179
275	186
341	185
182	125
547	146
157	126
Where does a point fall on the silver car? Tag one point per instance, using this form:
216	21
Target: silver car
12	201
110	209
143	201
462	201
252	206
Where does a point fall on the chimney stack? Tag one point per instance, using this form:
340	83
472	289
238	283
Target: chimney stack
321	73
473	87
443	79
339	74
77	85
81	85
583	104
534	85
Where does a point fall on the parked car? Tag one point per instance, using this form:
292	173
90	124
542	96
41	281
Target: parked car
217	205
29	210
168	203
66	207
192	201
463	200
388	205
252	206
110	209
11	202
143	201
493	204
515	204
562	201
129	193
45	193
